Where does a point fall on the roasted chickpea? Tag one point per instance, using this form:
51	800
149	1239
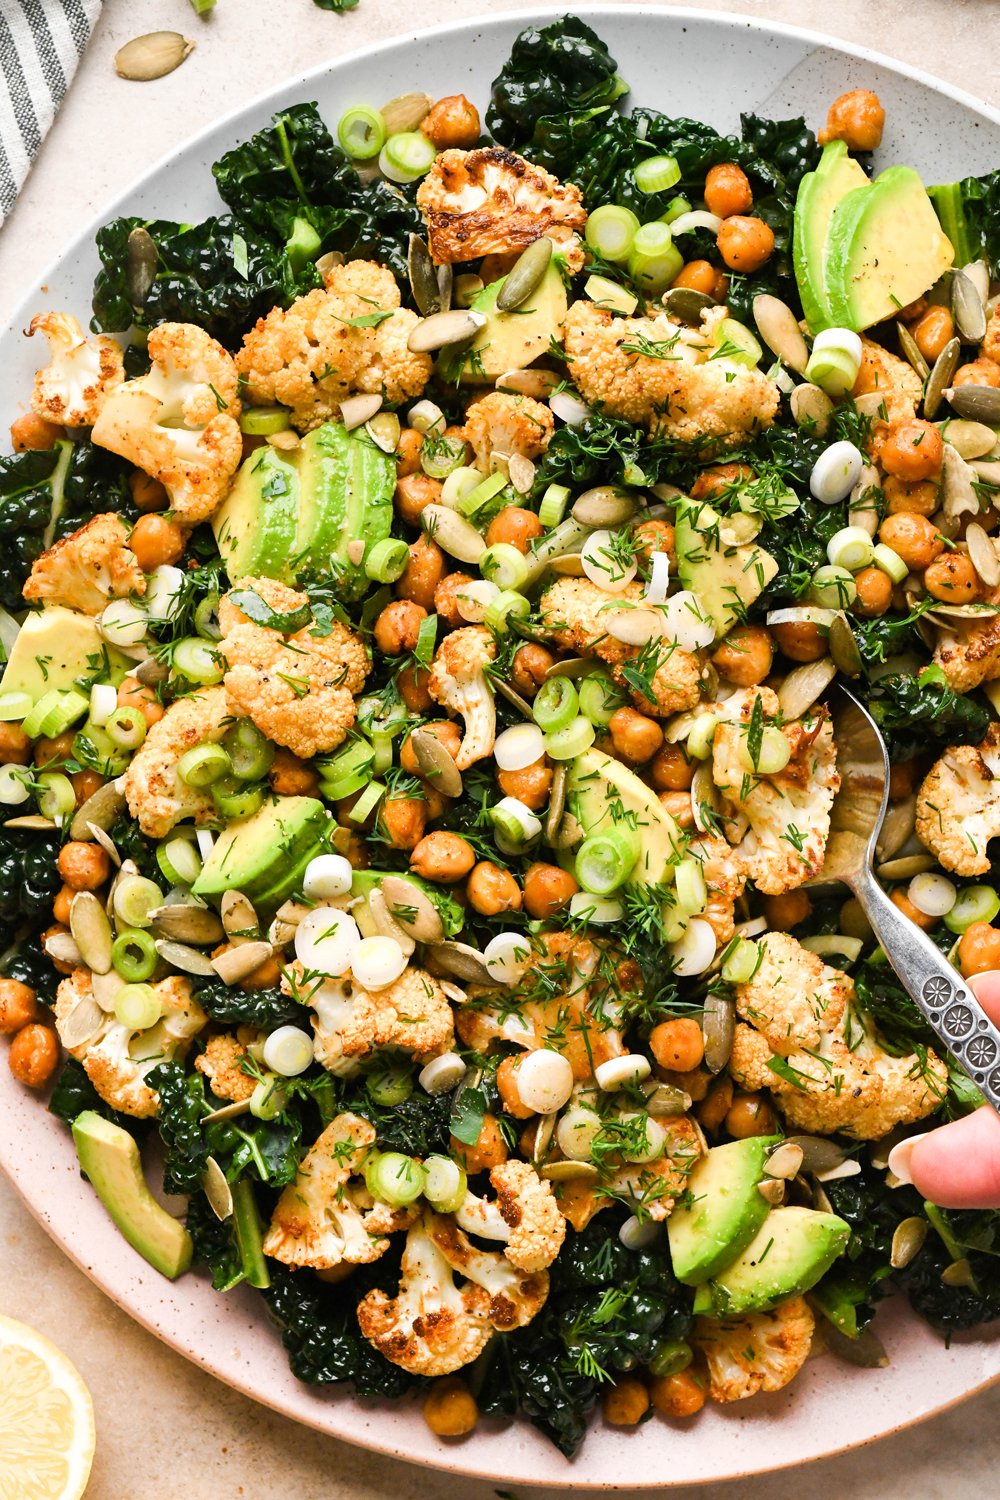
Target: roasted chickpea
745	656
408	451
514	526
403	820
83	867
266	976
547	889
491	890
952	579
453	122
902	780
727	190
411	684
680	1395
530	668
635	737
901	899
713	1109
856	118
414	492
446	731
34	432
750	1114
745	244
58	748
85	784
398	626
507	1086
913	538
291	777
135	694
982	371
800	640
423	572
18	1006
654	536
625	1403
442	857
720	290
678	1044
922	498
62	904
718	482
788	910
678	805
148	494
695	1083
446	598
932	332
913	450
154	542
34	1055
489	1151
874	594
979	949
15	747
436	801
913	310
530	785
356	852
671	771
696	276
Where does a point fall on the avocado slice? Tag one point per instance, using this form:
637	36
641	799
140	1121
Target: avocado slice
289	881
251	855
508	341
53	648
819	193
726	576
256	524
885	248
110	1158
793	1248
601	793
365	881
721	1209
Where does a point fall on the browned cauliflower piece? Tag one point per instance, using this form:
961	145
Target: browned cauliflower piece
883	373
500	423
157	797
298	689
968	652
724	880
958	805
490	201
677	389
793	999
87	568
654	1186
757	1352
327	1217
412	1015
458	681
222	1064
525	1217
71	390
312	356
179	423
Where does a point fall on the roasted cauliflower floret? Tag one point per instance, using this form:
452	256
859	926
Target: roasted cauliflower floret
835	1075
298	689
676	389
958	805
157	797
576	613
525	1217
412	1015
327	1217
87	568
458	681
72	389
313	355
222	1063
490	201
724	881
80	1021
501	423
757	1352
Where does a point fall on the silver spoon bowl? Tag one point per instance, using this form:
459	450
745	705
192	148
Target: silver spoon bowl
936	988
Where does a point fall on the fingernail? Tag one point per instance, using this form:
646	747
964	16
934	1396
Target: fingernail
974	982
898	1160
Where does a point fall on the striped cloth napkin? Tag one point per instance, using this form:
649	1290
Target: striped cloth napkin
41	42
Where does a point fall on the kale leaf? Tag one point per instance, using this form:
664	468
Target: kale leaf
418	1126
182	1109
291	169
555	73
915	712
214	1243
264	1008
74	1093
320	1332
29	879
269	1150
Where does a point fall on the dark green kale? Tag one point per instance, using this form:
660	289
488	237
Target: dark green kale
970	216
27	962
182	1108
264	1008
74	1092
890	635
418	1126
131	844
268	1149
558	81
320	1332
29	879
214	1243
293	169
917	712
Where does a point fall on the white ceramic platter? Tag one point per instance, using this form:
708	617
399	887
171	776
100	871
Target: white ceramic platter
684	63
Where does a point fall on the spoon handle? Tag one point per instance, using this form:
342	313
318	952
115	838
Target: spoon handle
937	989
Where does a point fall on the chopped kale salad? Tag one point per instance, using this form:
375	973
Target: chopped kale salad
421	587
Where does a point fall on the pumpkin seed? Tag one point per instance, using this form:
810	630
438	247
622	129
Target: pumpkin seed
217	1190
522	473
665	1099
34	821
106	842
387	924
405	112
779	328
571	666
989	473
151	672
357	410
140	267
958	490
568	565
604	505
557	801
804	686
981	403
452	532
444	328
106	988
847	1168
226	1112
80	1026
384	429
446	282
356	552
237	962
466	289
911	350
862	509
544	1131
718	1025
811	408
101	810
525	275
413	909
905	867
898	826
970	439
940	378
959	1273
870	404
423	277
340	840
978	272
152	56
462	961
907	1241
866	1351
772	1190
844	650
188	960
62	947
88	922
785	1161
514	697
685	303
948	612
570	1171
821	1200
436	763
967	309
239	920
326	263
537	383
982	554
187	923
568	834
818	1154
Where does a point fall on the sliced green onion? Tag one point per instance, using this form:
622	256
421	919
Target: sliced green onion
179	861
676	207
427	416
515	825
610	296
387	560
127	728
14	785
441	456
55	796
54	712
833	370
772	756
833	587
603	910
701	736
734	341
504	565
689	886
134	956
265	421
302	245
670	1357
604	861
568	743
367	802
486	490
406	156
135	897
599	698
137	1007
556	704
424	649
390	1083
740	961
361	132
96	750
394	1178
196	660
611	231
206	617
445	1184
237	799
553	506
506	604
459	485
890	562
269	1099
655	260
337	788
14	706
656	174
976	903
204	764
250	752
382	747
852	548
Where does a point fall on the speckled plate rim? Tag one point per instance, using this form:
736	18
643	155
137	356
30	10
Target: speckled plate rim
828	1410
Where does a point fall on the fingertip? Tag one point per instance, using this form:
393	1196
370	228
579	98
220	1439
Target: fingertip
986	988
958	1166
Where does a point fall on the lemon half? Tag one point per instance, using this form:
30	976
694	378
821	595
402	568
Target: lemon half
46	1419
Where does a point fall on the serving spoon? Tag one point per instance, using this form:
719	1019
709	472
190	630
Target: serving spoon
859	809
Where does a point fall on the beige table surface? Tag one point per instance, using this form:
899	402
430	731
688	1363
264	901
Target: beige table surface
166	1431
